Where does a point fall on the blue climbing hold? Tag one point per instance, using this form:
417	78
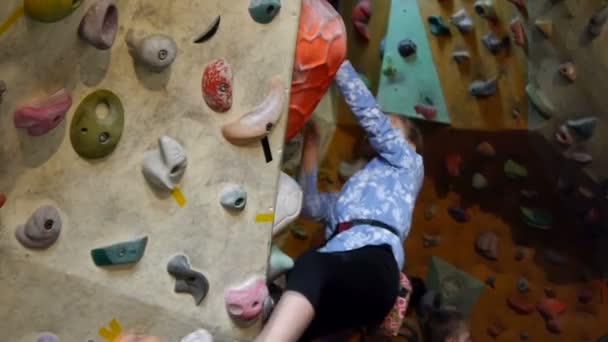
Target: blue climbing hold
406	48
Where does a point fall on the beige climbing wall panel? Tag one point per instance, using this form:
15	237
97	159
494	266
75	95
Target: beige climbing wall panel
107	200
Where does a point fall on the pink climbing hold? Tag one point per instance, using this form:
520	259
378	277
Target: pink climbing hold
427	111
568	71
519	34
453	164
245	303
362	14
563	136
217	85
486	149
41	117
2	199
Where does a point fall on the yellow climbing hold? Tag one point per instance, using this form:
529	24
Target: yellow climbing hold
264	218
11	20
179	197
112	333
545	26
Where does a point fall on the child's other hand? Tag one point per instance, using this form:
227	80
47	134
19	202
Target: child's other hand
312	135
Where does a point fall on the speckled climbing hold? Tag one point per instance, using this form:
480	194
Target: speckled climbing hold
520	305
259	122
188	280
462	21
568	71
47	337
299	233
41	230
128	252
536	218
523	285
388	67
515	170
209	32
485	9
2	199
217	85
597	22
551	308
491	281
40	117
91	135
459	214
264	11
545	26
453	164
234	197
163	167
518	31
430	212
289	203
485	149
430	241
563	135
487	245
49	11
540	101
201	335
585	296
406	48
100	24
479	181
245	303
460	56
484	88
155	52
583	127
361	15
580	157
428	112
279	263
438	26
495	43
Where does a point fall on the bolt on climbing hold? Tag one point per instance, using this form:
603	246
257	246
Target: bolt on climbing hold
100	24
484	88
519	33
200	335
515	170
540	101
50	11
258	123
479	181
462	20
568	71
563	135
234	197
245	303
430	241
459	214
278	264
430	212
155	52
289	203
491	281
427	111
388	67
597	22
299	233
406	48
520	304
438	26
361	16
583	127
47	337
217	85
40	117
580	157
91	135
2	199
453	164
209	32
523	285
485	9
460	56
188	280
495	44
545	26
164	166
128	252
485	149
487	245
41	230
536	218
264	11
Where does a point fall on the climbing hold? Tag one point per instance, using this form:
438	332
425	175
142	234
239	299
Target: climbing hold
597	22
563	136
430	212
453	164
545	26
485	149
521	4
427	111
583	127
188	280
259	122
50	11
279	263
580	157
541	102
494	43
299	233
289	203
491	281
554	326
2	89
536	218
406	48
487	245
438	26
514	170
234	197
246	302
484	88
40	117
523	285
568	71
100	24
209	32
485	9
217	85
264	11
129	252
495	330
388	67
462	20
520	253
553	257
155	52
93	136
41	230
585	296
520	305
430	241
459	214
549	292
585	192
2	199
515	113
347	170
551	308
460	56
479	182
137	338
164	166
382	47
201	335
361	15
46	337
519	33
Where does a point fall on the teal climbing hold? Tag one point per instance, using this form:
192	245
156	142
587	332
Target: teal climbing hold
129	252
536	218
264	11
514	170
438	26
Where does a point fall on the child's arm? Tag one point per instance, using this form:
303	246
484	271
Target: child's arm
386	140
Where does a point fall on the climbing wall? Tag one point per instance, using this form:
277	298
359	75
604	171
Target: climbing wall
107	200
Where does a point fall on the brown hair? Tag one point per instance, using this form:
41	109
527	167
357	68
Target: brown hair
444	323
414	135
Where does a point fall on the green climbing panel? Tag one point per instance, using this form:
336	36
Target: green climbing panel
416	81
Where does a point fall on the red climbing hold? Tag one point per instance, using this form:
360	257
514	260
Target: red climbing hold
362	14
453	163
217	85
551	308
2	199
427	111
519	304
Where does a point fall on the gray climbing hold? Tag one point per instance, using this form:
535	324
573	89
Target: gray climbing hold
580	157
47	338
156	52
494	43
540	101
430	241
554	257
460	56
234	198
584	127
462	20
520	254
406	48
100	24
264	11
597	22
479	182
487	245
484	88
438	26
188	280
523	285
41	230
2	89
200	335
485	9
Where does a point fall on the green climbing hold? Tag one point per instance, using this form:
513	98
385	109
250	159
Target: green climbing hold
514	170
95	135
536	218
264	11
540	101
438	26
129	252
299	233
49	11
388	67
279	263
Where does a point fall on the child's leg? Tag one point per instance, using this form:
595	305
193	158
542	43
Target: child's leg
289	319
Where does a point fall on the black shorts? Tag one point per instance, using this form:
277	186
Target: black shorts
348	290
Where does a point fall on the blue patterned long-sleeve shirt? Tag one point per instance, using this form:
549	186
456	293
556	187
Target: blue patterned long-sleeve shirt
384	190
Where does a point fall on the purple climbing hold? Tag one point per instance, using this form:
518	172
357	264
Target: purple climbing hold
406	48
459	214
47	338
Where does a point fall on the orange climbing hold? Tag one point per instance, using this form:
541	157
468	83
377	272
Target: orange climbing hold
320	50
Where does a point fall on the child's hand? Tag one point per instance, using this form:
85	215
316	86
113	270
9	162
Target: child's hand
312	136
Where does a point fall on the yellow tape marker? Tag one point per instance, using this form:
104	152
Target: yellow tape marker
12	19
179	197
111	334
264	218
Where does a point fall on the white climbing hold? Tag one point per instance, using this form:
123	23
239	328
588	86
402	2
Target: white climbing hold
545	26
462	20
289	203
200	335
164	167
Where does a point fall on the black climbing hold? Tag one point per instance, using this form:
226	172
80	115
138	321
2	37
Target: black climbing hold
267	150
209	32
406	48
